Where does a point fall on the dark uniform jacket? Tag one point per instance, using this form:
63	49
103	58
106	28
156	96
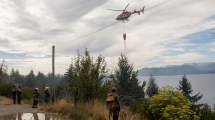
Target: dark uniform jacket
36	95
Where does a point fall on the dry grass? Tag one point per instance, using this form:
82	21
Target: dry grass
62	106
90	111
5	101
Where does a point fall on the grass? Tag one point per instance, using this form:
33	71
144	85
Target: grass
89	111
5	100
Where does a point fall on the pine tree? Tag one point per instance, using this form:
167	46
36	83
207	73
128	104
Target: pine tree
186	88
152	87
127	80
16	77
30	79
40	80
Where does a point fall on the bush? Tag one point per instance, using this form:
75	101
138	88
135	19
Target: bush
26	93
6	89
171	104
207	113
136	107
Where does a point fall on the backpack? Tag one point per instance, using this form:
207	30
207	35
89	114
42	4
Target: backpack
111	102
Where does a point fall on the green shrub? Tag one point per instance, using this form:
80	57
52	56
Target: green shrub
27	93
207	113
136	107
171	104
6	89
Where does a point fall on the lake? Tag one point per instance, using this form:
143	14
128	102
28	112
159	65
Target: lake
203	83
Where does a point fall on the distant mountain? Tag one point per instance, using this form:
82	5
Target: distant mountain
188	68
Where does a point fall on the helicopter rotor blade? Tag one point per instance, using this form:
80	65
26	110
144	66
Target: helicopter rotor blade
126	7
115	10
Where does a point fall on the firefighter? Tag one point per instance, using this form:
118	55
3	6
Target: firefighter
36	97
14	92
113	104
46	95
19	95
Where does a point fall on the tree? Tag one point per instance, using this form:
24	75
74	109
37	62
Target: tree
171	104
85	76
127	80
186	88
40	80
16	77
152	87
3	71
30	79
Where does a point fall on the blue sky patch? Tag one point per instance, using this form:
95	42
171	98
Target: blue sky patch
203	37
197	42
7	55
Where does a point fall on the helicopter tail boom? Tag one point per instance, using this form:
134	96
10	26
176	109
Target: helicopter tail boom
138	12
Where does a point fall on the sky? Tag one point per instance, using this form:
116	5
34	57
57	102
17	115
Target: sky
177	32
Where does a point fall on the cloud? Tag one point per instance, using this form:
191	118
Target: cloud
186	57
212	46
67	10
166	34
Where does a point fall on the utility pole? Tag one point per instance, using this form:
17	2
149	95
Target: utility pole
53	74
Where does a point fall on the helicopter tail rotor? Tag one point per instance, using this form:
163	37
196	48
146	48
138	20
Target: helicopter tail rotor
143	9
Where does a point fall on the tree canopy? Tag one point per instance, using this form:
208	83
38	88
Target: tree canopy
186	88
152	87
127	80
85	76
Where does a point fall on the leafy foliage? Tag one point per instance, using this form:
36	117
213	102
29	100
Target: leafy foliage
207	113
5	89
85	76
171	104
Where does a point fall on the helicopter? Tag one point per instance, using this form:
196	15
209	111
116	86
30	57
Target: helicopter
126	14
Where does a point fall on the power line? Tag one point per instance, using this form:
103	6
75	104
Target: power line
156	5
100	29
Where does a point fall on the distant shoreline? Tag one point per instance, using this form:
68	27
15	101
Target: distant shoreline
187	69
178	74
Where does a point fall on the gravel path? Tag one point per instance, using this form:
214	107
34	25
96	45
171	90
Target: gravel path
11	109
15	112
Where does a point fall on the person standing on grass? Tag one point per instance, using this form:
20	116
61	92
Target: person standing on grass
14	92
113	104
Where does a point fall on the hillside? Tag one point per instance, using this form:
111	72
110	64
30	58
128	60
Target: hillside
188	68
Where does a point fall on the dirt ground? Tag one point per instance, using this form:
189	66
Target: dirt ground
7	107
12	109
8	110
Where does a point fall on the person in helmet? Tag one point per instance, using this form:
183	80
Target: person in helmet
36	97
46	95
113	104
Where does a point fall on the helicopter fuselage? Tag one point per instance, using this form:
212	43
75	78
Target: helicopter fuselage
124	16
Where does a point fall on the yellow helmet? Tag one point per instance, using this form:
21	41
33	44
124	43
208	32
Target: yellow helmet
36	89
46	88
